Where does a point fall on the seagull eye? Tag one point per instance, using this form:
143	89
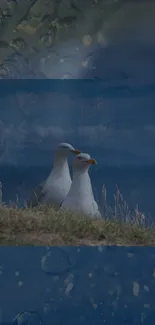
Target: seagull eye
79	158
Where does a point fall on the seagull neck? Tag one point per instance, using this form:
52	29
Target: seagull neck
60	164
81	180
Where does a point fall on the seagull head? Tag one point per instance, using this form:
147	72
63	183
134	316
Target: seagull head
64	149
83	161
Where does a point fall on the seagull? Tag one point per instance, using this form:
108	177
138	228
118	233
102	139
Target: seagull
54	190
80	197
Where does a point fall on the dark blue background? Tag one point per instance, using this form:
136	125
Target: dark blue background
115	124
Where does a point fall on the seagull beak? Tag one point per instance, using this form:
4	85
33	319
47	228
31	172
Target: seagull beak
76	151
91	161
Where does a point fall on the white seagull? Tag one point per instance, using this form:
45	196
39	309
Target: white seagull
54	190
80	197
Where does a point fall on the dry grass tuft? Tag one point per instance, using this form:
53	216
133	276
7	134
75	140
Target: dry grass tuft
46	226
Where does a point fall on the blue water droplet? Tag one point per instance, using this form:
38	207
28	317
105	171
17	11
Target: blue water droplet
55	261
28	318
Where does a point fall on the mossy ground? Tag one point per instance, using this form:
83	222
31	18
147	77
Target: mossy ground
46	226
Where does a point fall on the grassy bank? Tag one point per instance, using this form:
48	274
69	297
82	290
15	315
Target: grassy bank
46	226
